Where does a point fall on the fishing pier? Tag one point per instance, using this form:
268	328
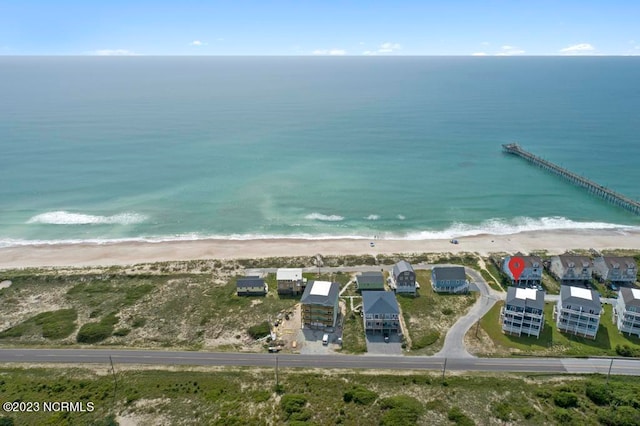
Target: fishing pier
594	188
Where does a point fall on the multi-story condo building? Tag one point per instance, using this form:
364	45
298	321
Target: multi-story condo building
615	270
578	311
626	311
523	311
571	270
320	304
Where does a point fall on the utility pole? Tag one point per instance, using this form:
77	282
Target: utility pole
277	381
444	368
609	373
115	383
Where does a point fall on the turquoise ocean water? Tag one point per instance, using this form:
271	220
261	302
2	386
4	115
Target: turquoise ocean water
151	148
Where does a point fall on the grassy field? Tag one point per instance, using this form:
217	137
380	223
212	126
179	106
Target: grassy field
353	337
551	341
251	397
429	315
134	309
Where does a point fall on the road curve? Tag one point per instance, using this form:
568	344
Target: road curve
152	357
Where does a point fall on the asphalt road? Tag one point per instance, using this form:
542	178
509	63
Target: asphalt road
530	365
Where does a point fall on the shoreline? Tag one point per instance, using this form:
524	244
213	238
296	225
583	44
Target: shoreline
128	253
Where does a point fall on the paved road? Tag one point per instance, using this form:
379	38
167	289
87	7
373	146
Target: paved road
532	365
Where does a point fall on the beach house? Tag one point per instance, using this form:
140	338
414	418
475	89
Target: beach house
403	278
320	304
449	279
251	286
381	314
615	270
626	311
531	275
578	311
523	311
370	281
571	270
290	281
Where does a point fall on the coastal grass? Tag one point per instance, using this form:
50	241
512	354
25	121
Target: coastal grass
353	336
249	396
555	343
429	315
50	325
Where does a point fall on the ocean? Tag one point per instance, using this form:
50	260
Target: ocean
163	148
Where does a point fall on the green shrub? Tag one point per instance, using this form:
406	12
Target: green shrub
293	403
6	421
620	416
259	331
425	340
627	351
57	324
138	322
400	410
121	332
502	411
94	332
599	393
459	418
360	395
565	399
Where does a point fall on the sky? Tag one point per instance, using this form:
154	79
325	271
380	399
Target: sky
320	27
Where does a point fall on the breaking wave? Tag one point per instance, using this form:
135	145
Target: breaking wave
66	218
324	217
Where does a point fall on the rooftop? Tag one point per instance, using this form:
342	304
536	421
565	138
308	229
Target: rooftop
631	296
320	288
289	274
526	293
380	302
323	293
580	297
525	297
582	293
449	273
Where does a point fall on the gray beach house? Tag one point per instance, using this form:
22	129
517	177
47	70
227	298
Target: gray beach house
449	279
626	311
290	281
523	311
320	304
251	286
578	311
571	270
404	278
531	275
381	314
615	270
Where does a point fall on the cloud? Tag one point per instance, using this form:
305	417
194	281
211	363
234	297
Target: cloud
387	47
508	50
113	52
198	43
578	49
479	54
330	52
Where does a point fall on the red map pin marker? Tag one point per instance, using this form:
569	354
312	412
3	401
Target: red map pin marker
516	266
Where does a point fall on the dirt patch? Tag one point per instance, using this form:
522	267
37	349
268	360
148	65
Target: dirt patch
5	284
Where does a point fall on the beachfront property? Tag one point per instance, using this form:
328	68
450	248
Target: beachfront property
449	279
615	270
571	269
523	312
626	311
403	278
381	314
320	304
370	281
290	281
578	311
531	275
251	286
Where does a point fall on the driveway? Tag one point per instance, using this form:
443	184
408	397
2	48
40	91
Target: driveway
377	346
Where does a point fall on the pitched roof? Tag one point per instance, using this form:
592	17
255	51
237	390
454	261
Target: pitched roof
579	296
569	261
400	267
620	262
370	278
529	261
525	297
631	296
322	293
379	302
449	273
253	281
289	274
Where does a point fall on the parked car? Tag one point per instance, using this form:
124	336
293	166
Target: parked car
325	339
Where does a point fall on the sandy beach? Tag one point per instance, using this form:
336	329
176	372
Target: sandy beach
126	253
